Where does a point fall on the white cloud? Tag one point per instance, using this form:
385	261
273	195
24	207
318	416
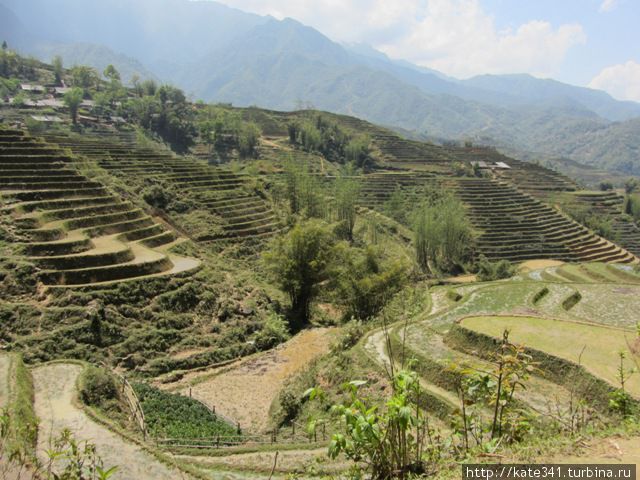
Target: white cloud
608	5
456	37
621	81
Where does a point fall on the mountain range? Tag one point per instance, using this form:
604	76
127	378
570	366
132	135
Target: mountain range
221	54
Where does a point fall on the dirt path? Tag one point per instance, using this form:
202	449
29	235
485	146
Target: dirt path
5	365
244	392
54	392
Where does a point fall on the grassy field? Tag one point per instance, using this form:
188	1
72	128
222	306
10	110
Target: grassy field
567	340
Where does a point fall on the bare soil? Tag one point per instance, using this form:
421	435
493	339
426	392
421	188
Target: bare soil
530	265
244	392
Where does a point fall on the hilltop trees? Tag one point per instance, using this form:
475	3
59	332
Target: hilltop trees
84	77
224	130
322	135
166	112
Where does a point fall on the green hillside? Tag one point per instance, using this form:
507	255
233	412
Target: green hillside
242	265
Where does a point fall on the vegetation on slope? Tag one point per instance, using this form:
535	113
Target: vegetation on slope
174	416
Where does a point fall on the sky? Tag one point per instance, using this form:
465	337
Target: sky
592	43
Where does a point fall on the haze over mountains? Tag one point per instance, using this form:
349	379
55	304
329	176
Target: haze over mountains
217	53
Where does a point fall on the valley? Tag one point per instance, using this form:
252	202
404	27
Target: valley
203	291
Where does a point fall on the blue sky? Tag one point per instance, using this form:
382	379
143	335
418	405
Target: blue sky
584	42
613	35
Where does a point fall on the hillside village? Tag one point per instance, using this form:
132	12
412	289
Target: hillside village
206	291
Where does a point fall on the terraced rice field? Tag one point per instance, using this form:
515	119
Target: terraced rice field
218	190
609	205
76	231
515	226
541	395
567	340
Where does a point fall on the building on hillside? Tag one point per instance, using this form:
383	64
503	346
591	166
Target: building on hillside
46	118
27	87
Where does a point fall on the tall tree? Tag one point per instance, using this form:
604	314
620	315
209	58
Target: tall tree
443	234
57	69
299	261
73	99
347	193
83	77
111	73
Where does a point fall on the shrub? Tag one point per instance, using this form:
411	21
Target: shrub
540	294
453	295
156	196
274	332
571	300
488	271
97	386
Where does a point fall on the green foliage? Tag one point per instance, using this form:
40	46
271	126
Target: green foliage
494	389
224	130
632	206
365	283
97	387
620	401
84	77
631	185
322	135
156	196
540	294
248	140
21	423
299	261
571	301
383	443
14	65
347	192
453	295
396	206
274	332
443	233
606	186
58	69
73	99
584	215
165	112
175	416
303	190
79	460
357	151
8	86
488	271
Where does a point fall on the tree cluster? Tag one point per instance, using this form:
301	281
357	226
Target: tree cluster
224	130
321	135
443	235
311	258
